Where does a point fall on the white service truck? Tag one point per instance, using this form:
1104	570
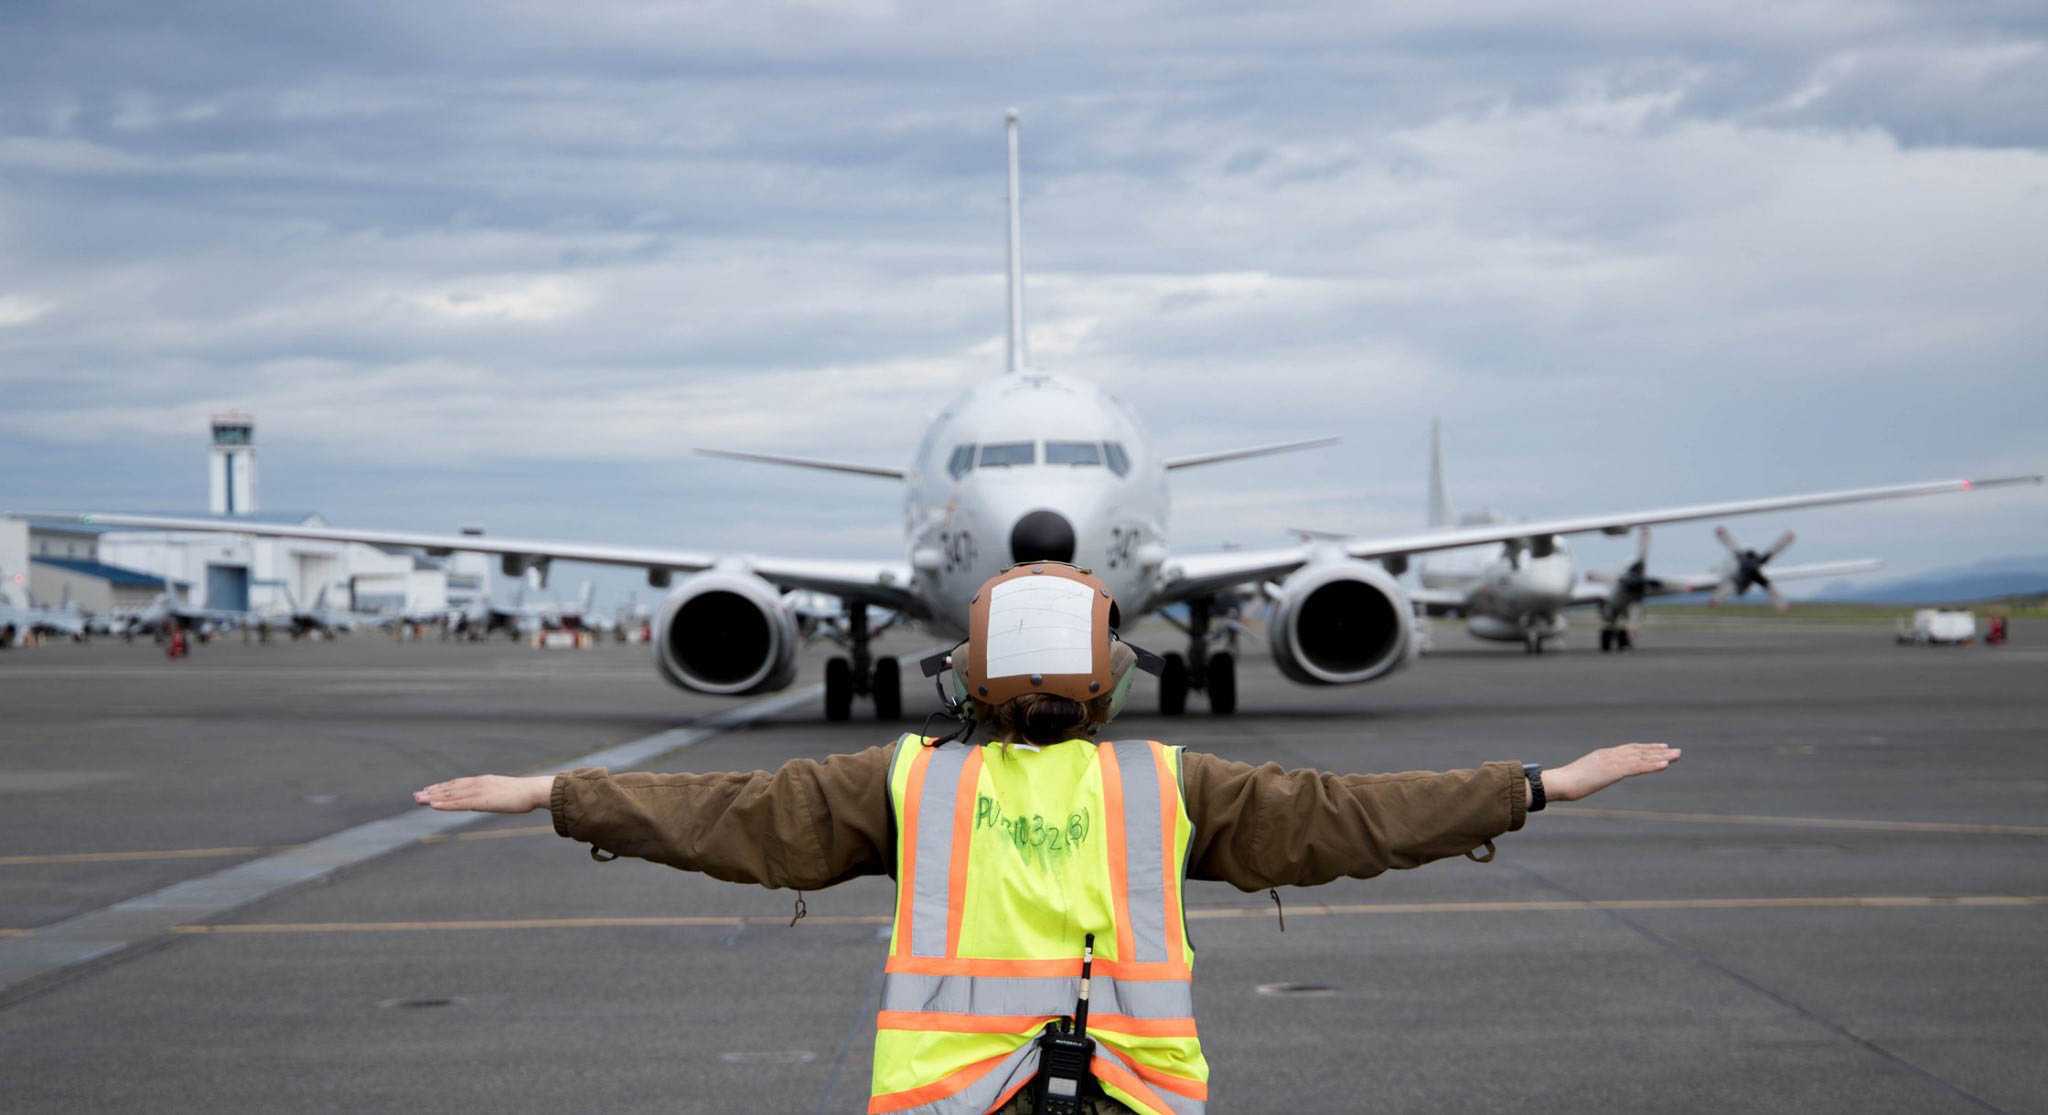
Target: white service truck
1939	627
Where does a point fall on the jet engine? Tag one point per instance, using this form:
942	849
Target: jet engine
727	633
1341	623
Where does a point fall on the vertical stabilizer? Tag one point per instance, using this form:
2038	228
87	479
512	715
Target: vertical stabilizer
1439	499
1017	355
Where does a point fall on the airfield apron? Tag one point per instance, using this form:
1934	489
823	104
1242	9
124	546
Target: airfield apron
1005	857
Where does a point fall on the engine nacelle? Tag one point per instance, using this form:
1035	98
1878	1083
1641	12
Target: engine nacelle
1341	623
727	633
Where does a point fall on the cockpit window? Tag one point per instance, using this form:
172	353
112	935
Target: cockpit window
1119	461
1073	453
1009	453
961	462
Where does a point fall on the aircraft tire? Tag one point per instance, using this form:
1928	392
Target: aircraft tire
838	689
888	687
1623	640
1173	686
1222	686
1606	641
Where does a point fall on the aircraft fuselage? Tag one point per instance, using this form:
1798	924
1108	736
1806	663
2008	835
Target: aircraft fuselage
1514	594
1033	466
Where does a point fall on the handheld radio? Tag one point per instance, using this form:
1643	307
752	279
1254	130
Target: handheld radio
1064	1078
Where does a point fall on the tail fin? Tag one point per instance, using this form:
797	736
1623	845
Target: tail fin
1439	499
1017	353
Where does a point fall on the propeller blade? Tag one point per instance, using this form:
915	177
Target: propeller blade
1783	543
1728	540
1721	592
1778	600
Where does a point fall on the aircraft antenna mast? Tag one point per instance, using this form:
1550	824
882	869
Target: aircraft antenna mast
1017	355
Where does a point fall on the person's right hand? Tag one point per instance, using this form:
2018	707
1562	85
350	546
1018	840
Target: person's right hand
488	793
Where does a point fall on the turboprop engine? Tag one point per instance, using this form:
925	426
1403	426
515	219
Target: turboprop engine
1341	623
725	632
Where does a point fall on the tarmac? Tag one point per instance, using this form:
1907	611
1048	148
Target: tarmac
213	894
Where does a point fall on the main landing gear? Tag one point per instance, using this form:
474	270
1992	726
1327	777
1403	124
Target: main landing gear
860	674
1214	674
1616	639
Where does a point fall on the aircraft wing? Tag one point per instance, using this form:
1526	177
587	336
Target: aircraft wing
1621	522
876	582
1814	569
1185	577
1597	591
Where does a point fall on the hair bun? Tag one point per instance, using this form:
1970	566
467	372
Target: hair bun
1050	719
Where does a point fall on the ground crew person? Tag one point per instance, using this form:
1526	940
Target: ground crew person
1007	853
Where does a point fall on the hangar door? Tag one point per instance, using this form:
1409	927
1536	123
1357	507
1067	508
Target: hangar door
227	587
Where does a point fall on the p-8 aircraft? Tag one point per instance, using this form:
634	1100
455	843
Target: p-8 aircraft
1519	590
1030	466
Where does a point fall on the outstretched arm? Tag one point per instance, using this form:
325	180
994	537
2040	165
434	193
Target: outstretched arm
807	824
1259	827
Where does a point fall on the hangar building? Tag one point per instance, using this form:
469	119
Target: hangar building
110	568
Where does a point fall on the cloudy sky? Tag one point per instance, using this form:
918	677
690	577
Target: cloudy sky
508	263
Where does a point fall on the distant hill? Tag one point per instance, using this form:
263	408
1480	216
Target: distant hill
1994	578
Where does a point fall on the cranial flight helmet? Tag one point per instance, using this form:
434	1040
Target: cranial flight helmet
1038	627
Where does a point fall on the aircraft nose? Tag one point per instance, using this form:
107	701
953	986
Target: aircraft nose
1042	536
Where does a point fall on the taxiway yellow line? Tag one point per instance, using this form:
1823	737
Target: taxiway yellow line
148	855
141	856
1957	827
1200	913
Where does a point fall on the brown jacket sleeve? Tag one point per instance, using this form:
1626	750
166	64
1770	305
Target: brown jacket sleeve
808	824
1259	827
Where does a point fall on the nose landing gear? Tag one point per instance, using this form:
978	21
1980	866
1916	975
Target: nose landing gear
1214	674
860	674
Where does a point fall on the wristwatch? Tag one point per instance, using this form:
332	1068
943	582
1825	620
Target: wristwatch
1537	800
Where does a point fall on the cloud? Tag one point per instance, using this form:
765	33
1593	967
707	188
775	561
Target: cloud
21	309
1632	256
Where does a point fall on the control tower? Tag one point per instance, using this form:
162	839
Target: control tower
231	469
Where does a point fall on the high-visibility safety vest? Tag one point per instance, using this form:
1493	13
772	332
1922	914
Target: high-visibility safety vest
1005	857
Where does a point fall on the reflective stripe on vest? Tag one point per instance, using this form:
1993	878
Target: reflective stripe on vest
959	1016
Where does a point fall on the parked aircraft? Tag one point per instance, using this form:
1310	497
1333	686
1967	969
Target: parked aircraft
1030	466
1621	604
303	621
158	617
1513	593
519	619
21	617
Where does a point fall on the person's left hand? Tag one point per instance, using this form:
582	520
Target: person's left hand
1596	770
488	793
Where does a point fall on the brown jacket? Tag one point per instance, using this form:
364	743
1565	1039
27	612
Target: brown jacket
810	824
